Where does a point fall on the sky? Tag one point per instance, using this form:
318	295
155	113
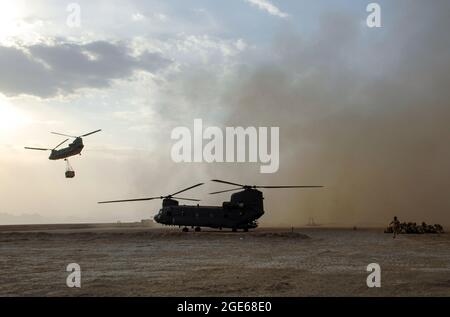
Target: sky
363	111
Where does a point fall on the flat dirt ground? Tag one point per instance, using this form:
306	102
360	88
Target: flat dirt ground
140	261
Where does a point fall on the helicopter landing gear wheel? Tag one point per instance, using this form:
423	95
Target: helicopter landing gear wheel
185	229
197	229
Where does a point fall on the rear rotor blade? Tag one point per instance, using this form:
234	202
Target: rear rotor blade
225	191
127	200
190	199
60	144
70	136
225	182
183	190
91	132
36	148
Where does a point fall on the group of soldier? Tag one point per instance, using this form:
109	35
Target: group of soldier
396	228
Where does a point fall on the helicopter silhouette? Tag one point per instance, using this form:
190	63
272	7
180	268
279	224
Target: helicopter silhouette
241	212
72	149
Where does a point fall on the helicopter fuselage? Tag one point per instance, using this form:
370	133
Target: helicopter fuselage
72	149
241	212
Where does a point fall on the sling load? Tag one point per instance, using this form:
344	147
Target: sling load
70	173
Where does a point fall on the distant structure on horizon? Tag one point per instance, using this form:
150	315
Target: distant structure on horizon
147	222
312	223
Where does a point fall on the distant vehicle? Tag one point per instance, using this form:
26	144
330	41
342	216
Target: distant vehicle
72	149
241	212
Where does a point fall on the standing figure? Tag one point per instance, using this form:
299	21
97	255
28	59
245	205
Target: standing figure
395	226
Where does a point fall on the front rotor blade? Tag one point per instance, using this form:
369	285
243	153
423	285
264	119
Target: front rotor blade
70	136
183	190
36	148
287	186
225	182
190	199
127	200
225	191
60	144
91	132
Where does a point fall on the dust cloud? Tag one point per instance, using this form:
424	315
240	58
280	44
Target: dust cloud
363	112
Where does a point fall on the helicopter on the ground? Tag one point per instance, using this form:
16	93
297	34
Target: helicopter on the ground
241	212
72	149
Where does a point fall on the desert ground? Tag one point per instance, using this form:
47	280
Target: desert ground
122	260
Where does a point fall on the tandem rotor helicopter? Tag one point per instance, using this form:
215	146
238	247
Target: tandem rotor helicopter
241	212
72	149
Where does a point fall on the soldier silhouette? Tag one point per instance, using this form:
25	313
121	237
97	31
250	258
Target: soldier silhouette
395	226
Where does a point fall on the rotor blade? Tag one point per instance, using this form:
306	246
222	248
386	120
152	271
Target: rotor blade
127	200
37	148
70	136
190	199
287	186
60	144
183	190
224	191
225	182
91	132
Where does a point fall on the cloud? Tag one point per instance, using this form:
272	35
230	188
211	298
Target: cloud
190	49
47	70
268	7
365	116
155	17
137	17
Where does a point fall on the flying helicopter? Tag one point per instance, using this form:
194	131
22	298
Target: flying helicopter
241	212
72	149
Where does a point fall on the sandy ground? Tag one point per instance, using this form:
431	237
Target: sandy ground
139	261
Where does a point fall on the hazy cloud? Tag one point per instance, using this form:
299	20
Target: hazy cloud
46	70
366	118
268	7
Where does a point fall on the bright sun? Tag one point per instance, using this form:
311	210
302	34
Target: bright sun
10	13
10	116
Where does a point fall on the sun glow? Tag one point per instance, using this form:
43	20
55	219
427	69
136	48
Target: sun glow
11	117
10	14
